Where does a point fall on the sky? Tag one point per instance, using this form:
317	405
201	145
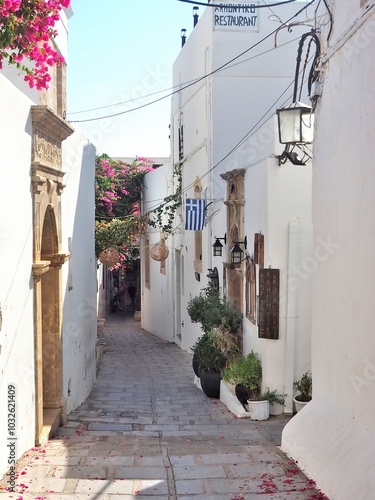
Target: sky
121	50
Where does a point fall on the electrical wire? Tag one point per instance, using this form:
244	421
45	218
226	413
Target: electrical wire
330	18
202	77
264	118
189	81
239	5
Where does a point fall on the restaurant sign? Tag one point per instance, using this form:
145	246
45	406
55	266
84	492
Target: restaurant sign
236	17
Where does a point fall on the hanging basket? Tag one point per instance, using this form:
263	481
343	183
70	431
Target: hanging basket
159	251
109	256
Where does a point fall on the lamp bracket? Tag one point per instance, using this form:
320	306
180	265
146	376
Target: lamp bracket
224	239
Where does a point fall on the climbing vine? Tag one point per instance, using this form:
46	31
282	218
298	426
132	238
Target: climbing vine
163	217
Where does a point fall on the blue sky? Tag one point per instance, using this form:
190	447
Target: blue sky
118	50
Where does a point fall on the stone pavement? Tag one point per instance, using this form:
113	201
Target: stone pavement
147	432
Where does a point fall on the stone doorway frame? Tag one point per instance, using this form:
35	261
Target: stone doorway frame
49	130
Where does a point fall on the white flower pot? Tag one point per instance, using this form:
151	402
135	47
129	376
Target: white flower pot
259	410
276	409
299	404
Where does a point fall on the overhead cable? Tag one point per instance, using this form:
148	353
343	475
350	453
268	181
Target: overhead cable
202	77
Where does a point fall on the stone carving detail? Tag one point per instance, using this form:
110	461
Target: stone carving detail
38	182
46	149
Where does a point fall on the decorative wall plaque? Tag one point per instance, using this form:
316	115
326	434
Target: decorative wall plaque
269	292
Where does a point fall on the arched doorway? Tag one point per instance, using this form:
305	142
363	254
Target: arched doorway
49	130
51	319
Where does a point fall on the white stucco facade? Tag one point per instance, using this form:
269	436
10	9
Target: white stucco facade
79	273
16	250
227	121
333	438
77	294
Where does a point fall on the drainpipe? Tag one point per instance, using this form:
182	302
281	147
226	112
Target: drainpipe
291	294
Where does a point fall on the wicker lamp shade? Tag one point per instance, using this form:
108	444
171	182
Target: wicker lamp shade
109	257
159	251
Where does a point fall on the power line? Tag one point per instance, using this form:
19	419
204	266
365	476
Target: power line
202	77
239	5
189	81
264	118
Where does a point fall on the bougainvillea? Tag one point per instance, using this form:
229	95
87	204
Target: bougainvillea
26	30
119	222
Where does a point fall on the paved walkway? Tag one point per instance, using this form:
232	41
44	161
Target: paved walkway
147	432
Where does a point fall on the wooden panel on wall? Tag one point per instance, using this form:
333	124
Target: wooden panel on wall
269	292
259	249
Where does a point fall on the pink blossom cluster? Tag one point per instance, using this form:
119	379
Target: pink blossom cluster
26	28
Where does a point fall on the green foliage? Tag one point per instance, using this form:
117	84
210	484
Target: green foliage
245	371
122	234
209	356
303	386
212	311
274	397
118	187
163	216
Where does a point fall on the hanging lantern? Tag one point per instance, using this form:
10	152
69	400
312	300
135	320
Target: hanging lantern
159	251
109	257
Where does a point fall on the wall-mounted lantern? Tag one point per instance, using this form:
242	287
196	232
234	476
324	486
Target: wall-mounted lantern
218	247
296	124
236	251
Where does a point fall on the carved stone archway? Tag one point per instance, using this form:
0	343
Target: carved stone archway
49	131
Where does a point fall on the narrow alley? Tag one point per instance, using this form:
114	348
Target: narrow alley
147	431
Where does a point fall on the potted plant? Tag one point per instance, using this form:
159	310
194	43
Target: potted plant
221	323
276	401
246	373
212	310
303	387
208	362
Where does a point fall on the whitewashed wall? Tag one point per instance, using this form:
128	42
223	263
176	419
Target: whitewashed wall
16	280
158	301
333	438
79	273
217	113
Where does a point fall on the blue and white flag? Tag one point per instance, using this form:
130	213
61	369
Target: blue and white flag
195	214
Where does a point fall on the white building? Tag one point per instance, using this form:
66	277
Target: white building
47	261
223	129
333	437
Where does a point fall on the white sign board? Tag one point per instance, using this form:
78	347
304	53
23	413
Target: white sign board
236	17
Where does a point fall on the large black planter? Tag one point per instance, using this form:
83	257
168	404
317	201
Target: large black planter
210	383
242	394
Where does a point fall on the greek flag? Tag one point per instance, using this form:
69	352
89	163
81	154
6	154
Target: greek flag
195	214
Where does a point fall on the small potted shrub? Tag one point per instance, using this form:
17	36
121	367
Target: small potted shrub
303	388
276	401
246	373
220	342
209	362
